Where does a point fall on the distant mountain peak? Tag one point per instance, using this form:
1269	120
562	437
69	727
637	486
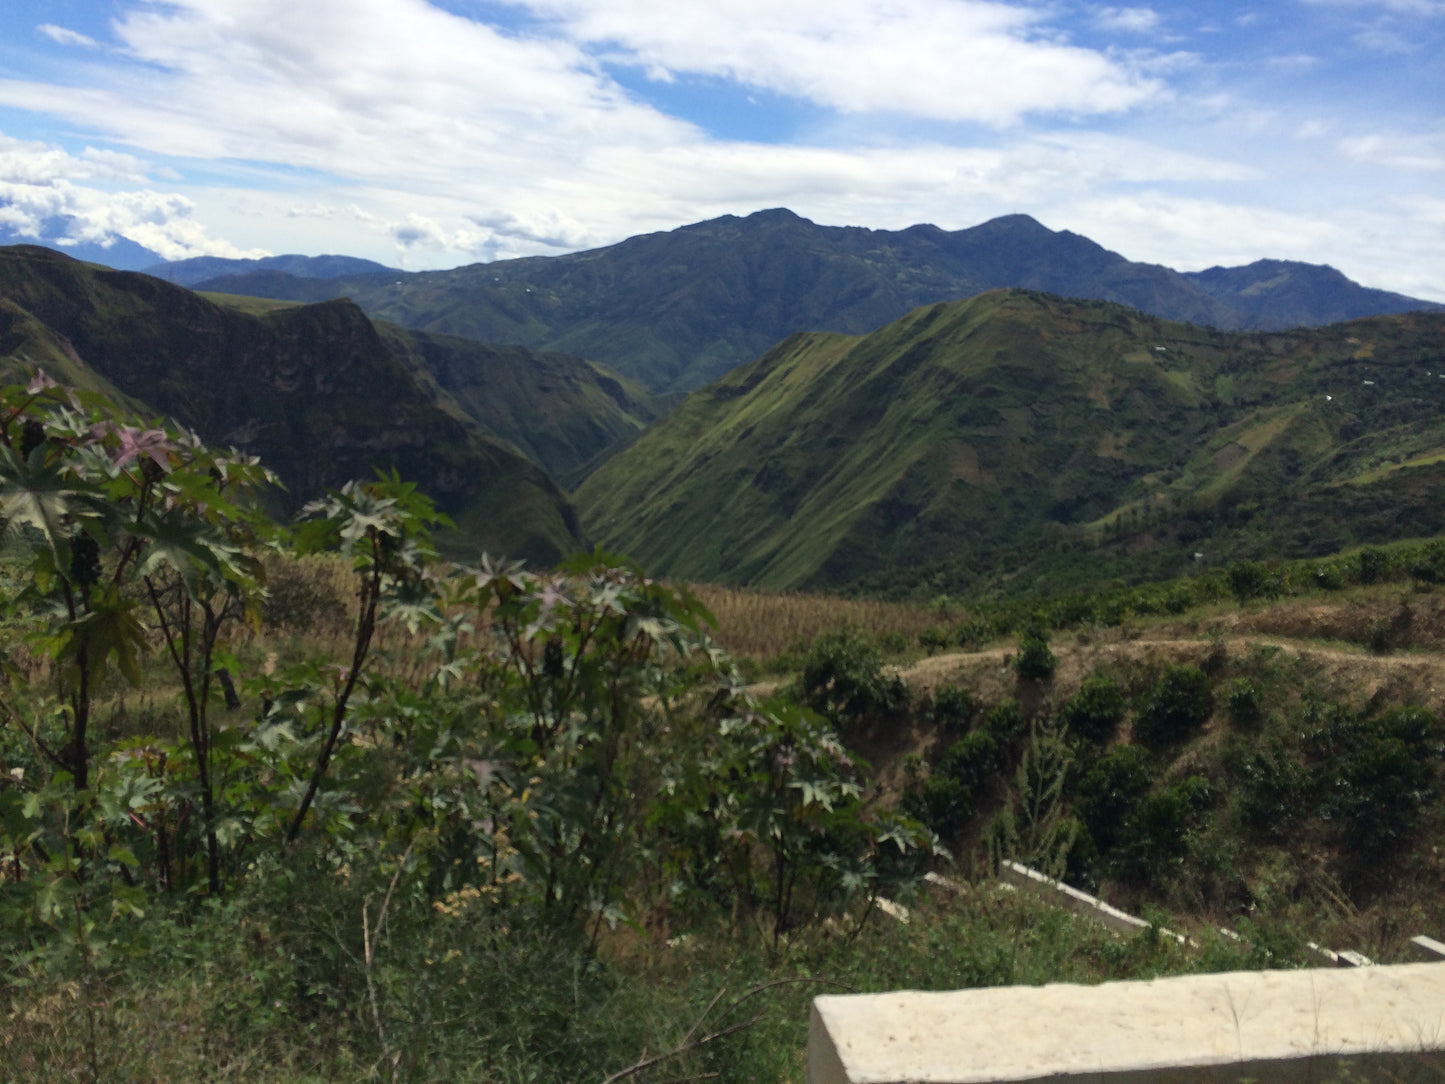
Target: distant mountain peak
777	214
1016	221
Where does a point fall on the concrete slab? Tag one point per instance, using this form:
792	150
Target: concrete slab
1427	948
1286	1026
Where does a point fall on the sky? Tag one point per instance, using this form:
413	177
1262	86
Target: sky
433	133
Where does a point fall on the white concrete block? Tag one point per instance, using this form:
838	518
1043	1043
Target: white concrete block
1350	958
1427	949
1284	1026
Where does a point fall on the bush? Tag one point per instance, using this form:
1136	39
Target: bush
1429	564
1157	834
1005	722
1110	791
1242	701
947	798
843	679
1381	791
1035	662
1095	710
1178	704
1249	579
1373	565
933	640
952	709
1271	792
1380	783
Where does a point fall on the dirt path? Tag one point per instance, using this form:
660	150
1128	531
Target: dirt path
929	672
1077	660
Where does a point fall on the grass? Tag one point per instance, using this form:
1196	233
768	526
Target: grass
253	306
220	999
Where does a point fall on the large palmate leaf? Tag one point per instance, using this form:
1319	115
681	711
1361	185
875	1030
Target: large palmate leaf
193	549
44	498
110	628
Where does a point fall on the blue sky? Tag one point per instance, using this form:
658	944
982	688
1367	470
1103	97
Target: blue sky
430	134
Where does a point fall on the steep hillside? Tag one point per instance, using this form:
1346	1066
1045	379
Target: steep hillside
314	390
561	411
1018	434
677	309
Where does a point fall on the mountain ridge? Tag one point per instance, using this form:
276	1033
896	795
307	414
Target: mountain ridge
970	442
675	309
314	390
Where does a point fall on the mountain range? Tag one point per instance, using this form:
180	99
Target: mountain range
869	410
676	310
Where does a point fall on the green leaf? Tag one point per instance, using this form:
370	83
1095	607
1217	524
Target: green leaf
124	855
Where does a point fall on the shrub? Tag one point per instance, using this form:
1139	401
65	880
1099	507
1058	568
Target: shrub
843	679
311	594
1156	835
1373	565
1242	701
1178	704
893	642
1035	662
1272	787
1005	722
933	640
1429	564
947	798
1110	791
952	708
1095	710
1415	726
1380	782
1249	579
1381	791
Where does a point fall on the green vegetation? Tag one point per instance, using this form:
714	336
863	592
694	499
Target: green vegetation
1035	662
309	802
318	392
559	753
1176	706
481	823
1020	444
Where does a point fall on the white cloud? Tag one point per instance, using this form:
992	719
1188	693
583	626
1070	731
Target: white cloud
63	36
1398	150
40	184
1367	243
528	135
1403	7
1131	20
365	89
960	60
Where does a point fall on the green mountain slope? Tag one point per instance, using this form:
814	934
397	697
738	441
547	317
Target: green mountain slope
562	412
1017	434
677	309
314	390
